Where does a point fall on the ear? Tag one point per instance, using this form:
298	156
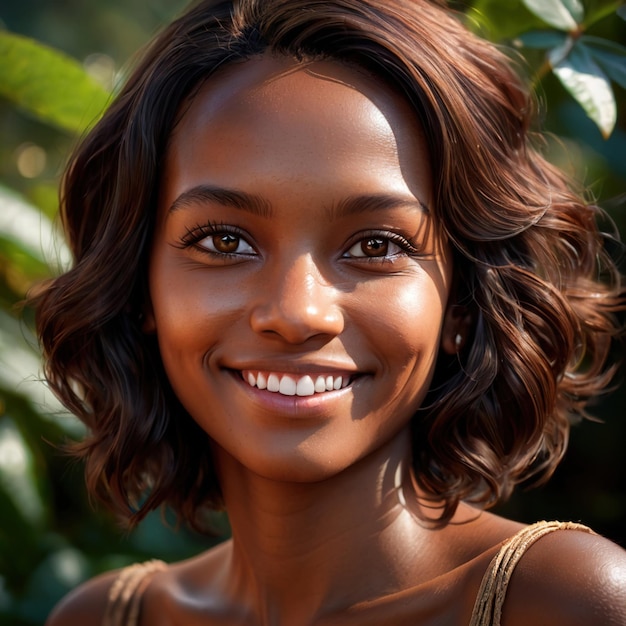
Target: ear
457	325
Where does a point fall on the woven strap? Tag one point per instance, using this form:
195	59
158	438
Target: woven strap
126	591
488	606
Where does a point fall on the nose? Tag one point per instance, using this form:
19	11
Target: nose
297	303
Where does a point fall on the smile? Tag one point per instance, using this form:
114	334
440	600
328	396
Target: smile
292	385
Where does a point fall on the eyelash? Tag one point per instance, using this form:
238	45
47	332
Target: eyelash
193	237
196	234
405	245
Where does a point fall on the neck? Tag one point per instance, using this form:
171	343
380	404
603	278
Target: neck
304	549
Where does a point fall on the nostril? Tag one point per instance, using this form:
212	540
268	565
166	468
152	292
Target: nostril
296	324
296	303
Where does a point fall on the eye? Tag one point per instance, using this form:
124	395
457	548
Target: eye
218	240
226	243
372	247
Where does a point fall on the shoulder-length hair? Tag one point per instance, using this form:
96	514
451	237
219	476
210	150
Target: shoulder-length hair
530	261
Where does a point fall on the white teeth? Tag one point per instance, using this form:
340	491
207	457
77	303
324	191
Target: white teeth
305	387
273	383
288	385
320	384
261	381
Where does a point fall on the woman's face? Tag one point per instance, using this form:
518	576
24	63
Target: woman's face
298	287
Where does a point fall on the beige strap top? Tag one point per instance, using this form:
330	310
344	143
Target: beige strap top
126	591
488	607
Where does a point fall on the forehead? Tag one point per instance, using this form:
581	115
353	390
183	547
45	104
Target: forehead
275	119
267	82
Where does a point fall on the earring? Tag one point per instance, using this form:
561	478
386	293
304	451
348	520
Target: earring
458	340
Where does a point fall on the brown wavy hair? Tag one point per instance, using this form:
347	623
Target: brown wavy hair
531	265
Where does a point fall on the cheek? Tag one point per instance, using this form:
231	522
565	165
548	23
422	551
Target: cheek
191	310
407	313
184	300
403	327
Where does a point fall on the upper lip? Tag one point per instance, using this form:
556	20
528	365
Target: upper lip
297	368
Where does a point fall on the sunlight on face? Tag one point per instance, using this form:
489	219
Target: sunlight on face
297	283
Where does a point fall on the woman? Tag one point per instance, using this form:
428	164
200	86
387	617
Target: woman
323	280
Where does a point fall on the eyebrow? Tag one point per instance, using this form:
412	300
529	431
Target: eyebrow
366	203
251	203
227	197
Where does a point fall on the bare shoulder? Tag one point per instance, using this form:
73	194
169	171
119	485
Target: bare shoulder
85	605
115	591
571	578
171	594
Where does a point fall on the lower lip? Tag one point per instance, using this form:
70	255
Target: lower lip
295	406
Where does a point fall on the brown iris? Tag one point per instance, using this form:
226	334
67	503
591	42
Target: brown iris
375	246
226	243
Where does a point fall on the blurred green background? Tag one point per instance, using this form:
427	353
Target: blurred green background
51	537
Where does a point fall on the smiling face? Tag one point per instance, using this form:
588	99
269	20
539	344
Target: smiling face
298	286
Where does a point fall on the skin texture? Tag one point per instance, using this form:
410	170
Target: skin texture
283	185
307	300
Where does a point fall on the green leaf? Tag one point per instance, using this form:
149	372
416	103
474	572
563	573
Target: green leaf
609	55
588	84
604	44
542	39
49	84
18	479
14	253
44	196
499	20
599	12
561	14
576	9
31	229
